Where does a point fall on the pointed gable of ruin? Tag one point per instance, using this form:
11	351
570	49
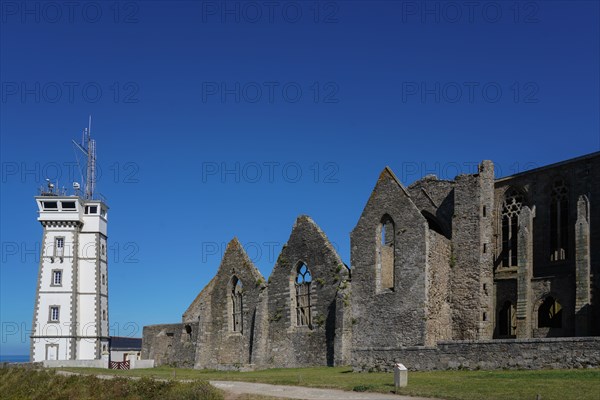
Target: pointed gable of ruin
228	333
389	280
388	194
236	262
305	241
301	335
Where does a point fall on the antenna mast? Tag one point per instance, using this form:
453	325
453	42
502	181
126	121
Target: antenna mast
90	183
88	147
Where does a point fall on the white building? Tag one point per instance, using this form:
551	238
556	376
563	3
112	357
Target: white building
70	319
125	348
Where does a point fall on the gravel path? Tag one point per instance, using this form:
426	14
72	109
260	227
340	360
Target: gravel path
304	393
288	392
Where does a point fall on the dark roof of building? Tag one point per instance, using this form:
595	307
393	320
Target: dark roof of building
553	165
125	343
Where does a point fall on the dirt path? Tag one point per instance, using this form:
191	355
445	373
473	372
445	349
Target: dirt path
233	389
304	393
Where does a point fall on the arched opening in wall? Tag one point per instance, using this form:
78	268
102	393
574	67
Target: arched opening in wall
559	221
507	320
201	313
188	331
167	355
550	313
386	245
236	296
302	286
433	223
511	207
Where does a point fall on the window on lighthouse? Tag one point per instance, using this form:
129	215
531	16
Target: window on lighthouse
91	209
54	313
57	277
59	246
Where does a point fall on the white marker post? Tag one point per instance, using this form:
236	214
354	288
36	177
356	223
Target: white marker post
400	376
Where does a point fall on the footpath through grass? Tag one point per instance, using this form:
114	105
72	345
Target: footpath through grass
452	385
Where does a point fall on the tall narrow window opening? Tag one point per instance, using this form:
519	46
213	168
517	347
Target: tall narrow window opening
59	246
507	320
57	277
386	244
511	208
559	222
54	313
303	303
237	292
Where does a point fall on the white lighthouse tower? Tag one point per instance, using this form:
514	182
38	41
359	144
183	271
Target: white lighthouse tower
70	317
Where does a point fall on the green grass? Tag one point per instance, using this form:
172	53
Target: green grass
22	383
582	384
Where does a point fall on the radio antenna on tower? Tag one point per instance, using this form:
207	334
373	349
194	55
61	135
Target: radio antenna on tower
88	147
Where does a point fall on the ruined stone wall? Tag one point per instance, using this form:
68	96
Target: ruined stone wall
389	317
219	345
560	289
555	277
200	306
170	344
497	354
505	290
439	317
445	283
289	343
580	177
472	283
200	312
435	198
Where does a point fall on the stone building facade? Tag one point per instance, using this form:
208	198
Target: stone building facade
438	269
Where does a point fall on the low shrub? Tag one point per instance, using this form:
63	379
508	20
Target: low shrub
21	383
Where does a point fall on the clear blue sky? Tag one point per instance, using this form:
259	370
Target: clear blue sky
216	123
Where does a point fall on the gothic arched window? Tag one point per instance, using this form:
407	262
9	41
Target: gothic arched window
559	222
513	202
386	244
237	323
303	303
550	313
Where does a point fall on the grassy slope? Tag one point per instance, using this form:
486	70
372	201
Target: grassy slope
467	385
22	383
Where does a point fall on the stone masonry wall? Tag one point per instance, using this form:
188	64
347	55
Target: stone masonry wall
197	311
291	345
219	346
556	286
435	198
445	283
497	354
439	321
505	290
389	317
170	344
471	285
550	277
200	313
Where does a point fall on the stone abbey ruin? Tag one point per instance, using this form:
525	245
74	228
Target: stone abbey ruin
474	272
